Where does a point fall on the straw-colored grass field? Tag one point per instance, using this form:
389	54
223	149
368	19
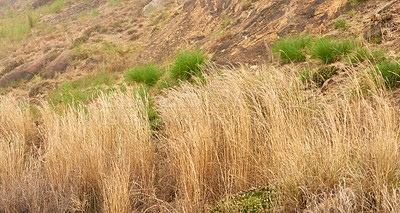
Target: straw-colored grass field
242	129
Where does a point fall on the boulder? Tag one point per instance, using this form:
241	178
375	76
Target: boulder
155	5
23	72
58	65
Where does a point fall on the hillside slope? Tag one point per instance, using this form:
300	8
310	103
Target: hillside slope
229	31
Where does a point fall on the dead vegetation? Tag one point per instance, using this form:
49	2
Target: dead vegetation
242	129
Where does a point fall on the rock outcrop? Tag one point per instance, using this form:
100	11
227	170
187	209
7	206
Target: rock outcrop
248	28
58	65
23	72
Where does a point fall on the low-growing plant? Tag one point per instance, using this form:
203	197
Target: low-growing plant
142	92
341	24
361	54
292	48
253	200
305	75
390	72
330	50
148	74
323	74
114	2
187	64
82	90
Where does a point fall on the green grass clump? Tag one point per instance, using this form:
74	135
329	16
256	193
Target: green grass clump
390	72
143	93
53	7
187	63
253	200
305	75
323	74
114	2
148	74
341	24
82	90
330	50
292	48
361	54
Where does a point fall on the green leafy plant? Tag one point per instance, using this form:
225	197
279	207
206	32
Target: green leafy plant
292	48
330	50
187	64
148	74
323	74
253	200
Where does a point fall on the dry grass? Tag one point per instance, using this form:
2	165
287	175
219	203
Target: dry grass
242	129
317	152
94	158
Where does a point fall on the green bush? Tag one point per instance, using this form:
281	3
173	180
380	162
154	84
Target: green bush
187	63
292	48
148	74
253	200
329	50
323	74
390	72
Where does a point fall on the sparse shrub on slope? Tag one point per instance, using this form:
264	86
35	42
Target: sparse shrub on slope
187	64
292	49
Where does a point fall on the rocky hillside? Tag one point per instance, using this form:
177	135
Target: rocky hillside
62	37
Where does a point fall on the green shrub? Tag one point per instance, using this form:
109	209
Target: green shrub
323	74
148	74
253	200
390	72
187	63
329	50
292	48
